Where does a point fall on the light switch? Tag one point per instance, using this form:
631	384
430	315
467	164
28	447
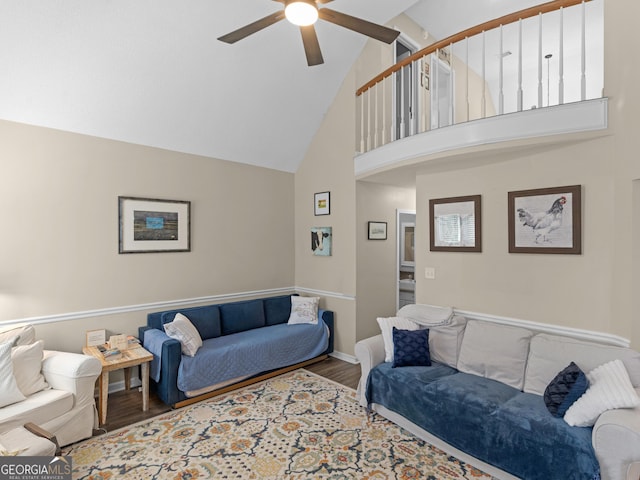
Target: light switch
430	273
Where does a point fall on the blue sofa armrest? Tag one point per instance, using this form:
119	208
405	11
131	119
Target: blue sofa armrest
327	316
170	357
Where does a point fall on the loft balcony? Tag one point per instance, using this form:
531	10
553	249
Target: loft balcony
531	78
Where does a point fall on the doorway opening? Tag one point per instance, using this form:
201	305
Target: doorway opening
406	281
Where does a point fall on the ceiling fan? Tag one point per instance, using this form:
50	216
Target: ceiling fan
305	13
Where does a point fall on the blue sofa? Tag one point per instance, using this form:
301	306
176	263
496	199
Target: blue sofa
481	400
241	340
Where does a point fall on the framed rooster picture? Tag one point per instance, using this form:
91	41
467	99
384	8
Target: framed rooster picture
546	220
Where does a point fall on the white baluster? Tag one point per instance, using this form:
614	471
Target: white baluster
384	111
484	76
466	61
368	119
436	90
402	119
362	122
583	67
501	94
375	134
540	60
451	86
520	93
561	60
392	129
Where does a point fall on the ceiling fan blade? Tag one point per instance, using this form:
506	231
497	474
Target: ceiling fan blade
373	30
311	46
254	27
323	1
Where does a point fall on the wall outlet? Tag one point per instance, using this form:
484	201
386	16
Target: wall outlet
430	273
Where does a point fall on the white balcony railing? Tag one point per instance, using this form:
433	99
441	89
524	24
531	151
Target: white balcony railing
547	55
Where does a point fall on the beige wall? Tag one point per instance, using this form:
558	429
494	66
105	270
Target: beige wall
594	290
60	246
377	269
328	166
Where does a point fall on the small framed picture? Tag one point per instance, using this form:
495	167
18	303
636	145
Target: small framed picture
321	203
321	241
377	230
546	220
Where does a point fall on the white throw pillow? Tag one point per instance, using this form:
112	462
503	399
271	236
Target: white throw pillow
183	330
610	388
495	351
9	391
304	310
27	367
386	327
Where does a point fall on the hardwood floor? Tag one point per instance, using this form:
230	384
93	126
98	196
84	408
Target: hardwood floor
125	407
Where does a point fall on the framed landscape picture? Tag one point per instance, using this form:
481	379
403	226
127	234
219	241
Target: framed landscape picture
152	225
546	220
377	230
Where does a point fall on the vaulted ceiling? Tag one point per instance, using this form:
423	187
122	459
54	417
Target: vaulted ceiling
151	72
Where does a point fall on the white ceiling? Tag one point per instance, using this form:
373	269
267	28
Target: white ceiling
151	72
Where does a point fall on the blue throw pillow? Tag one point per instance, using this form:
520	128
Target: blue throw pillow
567	387
411	348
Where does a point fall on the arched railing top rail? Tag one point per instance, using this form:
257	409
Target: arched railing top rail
470	32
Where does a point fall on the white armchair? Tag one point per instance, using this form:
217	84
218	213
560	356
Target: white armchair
66	406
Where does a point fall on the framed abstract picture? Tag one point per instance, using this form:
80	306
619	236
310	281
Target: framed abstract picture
546	220
151	225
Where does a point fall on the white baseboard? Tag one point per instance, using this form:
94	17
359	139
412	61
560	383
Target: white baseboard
119	386
345	357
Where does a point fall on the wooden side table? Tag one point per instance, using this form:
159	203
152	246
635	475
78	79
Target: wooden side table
131	357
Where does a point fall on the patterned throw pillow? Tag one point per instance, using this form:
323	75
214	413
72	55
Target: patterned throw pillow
304	310
567	387
411	348
186	333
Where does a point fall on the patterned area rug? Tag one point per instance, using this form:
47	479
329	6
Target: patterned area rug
295	426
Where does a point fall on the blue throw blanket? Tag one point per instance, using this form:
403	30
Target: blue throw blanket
251	352
153	340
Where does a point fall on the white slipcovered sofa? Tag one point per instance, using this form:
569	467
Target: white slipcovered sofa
487	377
54	390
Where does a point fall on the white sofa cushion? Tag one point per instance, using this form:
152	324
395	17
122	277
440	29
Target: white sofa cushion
445	341
9	391
549	354
38	408
20	333
495	351
610	389
27	367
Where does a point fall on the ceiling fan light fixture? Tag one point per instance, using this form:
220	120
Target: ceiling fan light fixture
302	13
